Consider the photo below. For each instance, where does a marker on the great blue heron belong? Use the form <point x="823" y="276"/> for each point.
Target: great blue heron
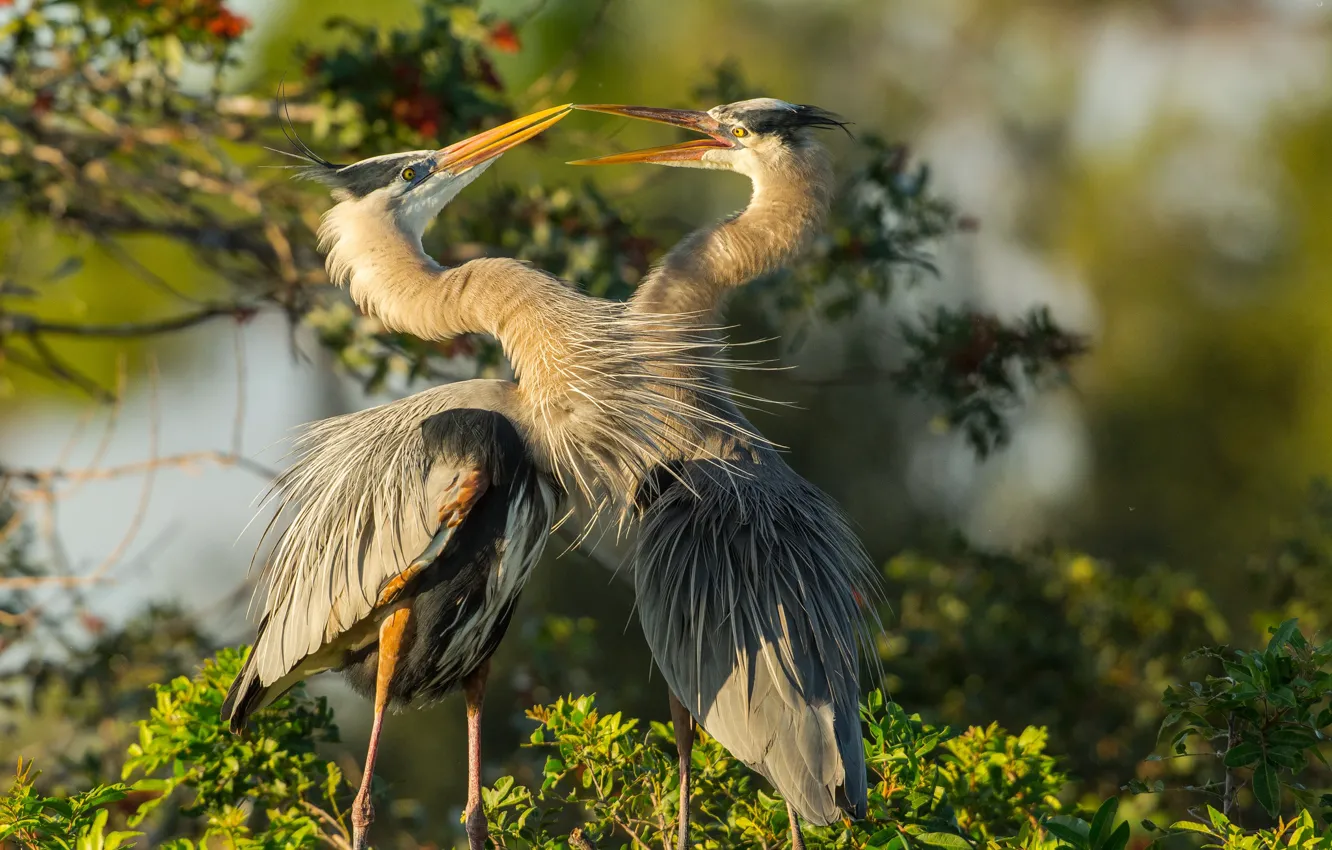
<point x="414" y="525"/>
<point x="747" y="575"/>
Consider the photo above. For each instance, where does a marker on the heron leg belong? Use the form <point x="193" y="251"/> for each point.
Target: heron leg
<point x="797" y="837"/>
<point x="391" y="633"/>
<point x="474" y="686"/>
<point x="684" y="745"/>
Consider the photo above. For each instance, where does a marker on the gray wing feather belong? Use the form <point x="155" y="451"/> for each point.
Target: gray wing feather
<point x="361" y="496"/>
<point x="745" y="589"/>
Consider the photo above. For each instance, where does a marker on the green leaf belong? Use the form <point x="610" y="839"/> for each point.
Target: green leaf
<point x="1072" y="831"/>
<point x="1119" y="838"/>
<point x="1282" y="634"/>
<point x="1286" y="757"/>
<point x="1191" y="826"/>
<point x="1103" y="823"/>
<point x="1298" y="737"/>
<point x="1244" y="754"/>
<point x="59" y="806"/>
<point x="944" y="839"/>
<point x="1267" y="788"/>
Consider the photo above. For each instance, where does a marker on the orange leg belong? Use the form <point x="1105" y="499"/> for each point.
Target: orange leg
<point x="684" y="745"/>
<point x="475" y="689"/>
<point x="797" y="837"/>
<point x="391" y="636"/>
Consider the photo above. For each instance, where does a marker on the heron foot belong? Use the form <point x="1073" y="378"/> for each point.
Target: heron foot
<point x="478" y="830"/>
<point x="362" y="815"/>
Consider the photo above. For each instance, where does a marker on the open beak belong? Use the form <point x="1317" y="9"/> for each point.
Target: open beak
<point x="699" y="122"/>
<point x="462" y="156"/>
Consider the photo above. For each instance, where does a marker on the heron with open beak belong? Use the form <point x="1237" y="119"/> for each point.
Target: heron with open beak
<point x="748" y="577"/>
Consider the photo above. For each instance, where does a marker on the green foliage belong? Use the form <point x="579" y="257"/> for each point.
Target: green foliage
<point x="926" y="787"/>
<point x="264" y="789"/>
<point x="999" y="783"/>
<point x="980" y="369"/>
<point x="1264" y="717"/>
<point x="1299" y="832"/>
<point x="412" y="87"/>
<point x="272" y="766"/>
<point x="615" y="780"/>
<point x="885" y="225"/>
<point x="76" y="822"/>
<point x="1102" y="833"/>
<point x="883" y="231"/>
<point x="1079" y="645"/>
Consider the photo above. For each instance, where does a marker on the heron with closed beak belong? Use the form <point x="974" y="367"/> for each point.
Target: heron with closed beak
<point x="413" y="526"/>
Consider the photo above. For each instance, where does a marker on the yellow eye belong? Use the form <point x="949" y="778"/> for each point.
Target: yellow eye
<point x="740" y="132"/>
<point x="409" y="174"/>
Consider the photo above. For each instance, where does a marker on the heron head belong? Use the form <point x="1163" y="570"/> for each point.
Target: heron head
<point x="749" y="136"/>
<point x="411" y="188"/>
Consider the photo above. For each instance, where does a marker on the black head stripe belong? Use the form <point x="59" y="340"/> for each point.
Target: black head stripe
<point x="786" y="121"/>
<point x="362" y="178"/>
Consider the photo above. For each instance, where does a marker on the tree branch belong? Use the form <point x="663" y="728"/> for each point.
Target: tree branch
<point x="33" y="327"/>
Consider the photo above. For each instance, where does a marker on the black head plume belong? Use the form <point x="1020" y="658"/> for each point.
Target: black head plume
<point x="820" y="118"/>
<point x="777" y="117"/>
<point x="314" y="166"/>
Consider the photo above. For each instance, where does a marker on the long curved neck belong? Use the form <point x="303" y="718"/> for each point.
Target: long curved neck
<point x="590" y="396"/>
<point x="789" y="205"/>
<point x="535" y="317"/>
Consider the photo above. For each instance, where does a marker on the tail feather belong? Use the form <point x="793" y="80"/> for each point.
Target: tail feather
<point x="244" y="697"/>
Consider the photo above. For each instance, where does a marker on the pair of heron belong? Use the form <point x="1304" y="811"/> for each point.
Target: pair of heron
<point x="414" y="525"/>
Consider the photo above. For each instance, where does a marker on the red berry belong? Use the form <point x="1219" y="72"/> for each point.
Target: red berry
<point x="504" y="39"/>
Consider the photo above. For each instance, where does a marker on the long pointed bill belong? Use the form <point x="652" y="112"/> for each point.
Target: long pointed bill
<point x="469" y="153"/>
<point x="699" y="122"/>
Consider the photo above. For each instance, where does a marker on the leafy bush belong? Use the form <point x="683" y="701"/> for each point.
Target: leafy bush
<point x="611" y="781"/>
<point x="77" y="822"/>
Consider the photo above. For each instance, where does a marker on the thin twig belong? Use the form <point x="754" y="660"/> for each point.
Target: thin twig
<point x="238" y="423"/>
<point x="340" y="839"/>
<point x="1228" y="792"/>
<point x="185" y="461"/>
<point x="61" y="370"/>
<point x="33" y="327"/>
<point x="122" y="381"/>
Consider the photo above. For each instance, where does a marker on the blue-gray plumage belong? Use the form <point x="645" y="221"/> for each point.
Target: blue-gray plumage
<point x="494" y="510"/>
<point x="749" y="578"/>
<point x="478" y="524"/>
<point x="414" y="525"/>
<point x="744" y="596"/>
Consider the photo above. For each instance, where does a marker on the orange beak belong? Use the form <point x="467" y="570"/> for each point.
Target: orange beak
<point x="469" y="153"/>
<point x="699" y="122"/>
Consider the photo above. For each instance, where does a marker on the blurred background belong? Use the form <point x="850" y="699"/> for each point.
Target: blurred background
<point x="1064" y="358"/>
